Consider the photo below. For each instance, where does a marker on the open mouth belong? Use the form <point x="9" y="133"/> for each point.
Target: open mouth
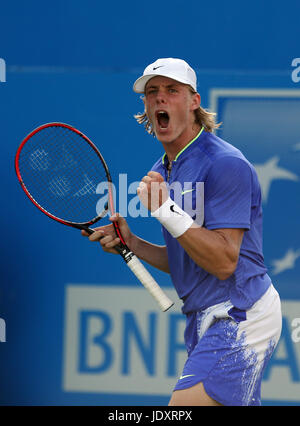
<point x="162" y="119"/>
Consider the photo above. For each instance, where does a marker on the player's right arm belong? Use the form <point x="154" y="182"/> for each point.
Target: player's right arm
<point x="153" y="254"/>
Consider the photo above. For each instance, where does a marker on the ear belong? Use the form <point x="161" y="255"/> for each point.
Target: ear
<point x="196" y="101"/>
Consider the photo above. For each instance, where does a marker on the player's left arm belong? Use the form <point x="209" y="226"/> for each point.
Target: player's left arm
<point x="216" y="251"/>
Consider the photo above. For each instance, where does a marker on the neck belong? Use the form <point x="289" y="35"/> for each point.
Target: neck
<point x="173" y="149"/>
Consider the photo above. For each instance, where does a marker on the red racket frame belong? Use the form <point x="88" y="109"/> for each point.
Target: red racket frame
<point x="84" y="225"/>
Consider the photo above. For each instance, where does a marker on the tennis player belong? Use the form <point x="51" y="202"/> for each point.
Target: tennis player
<point x="213" y="252"/>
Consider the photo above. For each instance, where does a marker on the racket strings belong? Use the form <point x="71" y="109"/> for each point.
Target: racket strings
<point x="61" y="171"/>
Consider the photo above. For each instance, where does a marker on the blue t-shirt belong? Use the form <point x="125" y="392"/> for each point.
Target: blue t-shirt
<point x="213" y="182"/>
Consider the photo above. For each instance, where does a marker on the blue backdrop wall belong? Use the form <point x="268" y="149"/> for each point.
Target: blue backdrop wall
<point x="75" y="62"/>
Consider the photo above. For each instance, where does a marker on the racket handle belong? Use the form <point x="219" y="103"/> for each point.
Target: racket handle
<point x="149" y="283"/>
<point x="142" y="274"/>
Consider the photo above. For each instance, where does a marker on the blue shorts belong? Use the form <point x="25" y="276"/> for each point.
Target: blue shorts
<point x="228" y="349"/>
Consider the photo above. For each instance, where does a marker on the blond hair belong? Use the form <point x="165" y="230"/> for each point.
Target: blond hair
<point x="203" y="118"/>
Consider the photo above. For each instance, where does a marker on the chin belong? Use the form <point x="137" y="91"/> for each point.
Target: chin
<point x="164" y="136"/>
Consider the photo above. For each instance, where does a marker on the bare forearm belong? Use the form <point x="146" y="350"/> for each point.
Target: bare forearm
<point x="153" y="254"/>
<point x="215" y="251"/>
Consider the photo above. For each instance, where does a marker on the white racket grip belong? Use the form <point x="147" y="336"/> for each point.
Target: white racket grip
<point x="149" y="283"/>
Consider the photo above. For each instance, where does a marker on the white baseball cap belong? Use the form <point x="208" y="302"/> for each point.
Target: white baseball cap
<point x="177" y="69"/>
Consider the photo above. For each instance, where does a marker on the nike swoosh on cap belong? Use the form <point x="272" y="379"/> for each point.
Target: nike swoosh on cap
<point x="155" y="68"/>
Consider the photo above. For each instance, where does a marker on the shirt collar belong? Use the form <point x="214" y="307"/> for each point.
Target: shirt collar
<point x="183" y="149"/>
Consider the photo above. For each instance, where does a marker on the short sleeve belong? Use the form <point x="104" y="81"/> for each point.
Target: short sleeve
<point x="227" y="194"/>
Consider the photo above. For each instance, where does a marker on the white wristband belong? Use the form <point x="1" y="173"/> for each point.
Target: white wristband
<point x="173" y="218"/>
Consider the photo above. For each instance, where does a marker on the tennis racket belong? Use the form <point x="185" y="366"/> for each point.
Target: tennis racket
<point x="59" y="169"/>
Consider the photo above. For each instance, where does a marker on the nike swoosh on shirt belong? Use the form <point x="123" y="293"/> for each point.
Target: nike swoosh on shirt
<point x="187" y="375"/>
<point x="188" y="190"/>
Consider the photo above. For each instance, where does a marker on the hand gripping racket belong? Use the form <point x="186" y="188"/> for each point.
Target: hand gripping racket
<point x="59" y="169"/>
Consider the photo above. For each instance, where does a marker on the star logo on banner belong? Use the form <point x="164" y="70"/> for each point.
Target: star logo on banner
<point x="287" y="262"/>
<point x="270" y="171"/>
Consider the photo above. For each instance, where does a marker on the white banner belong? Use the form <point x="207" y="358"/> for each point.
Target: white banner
<point x="118" y="341"/>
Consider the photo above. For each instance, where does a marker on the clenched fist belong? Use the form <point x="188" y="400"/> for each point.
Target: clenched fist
<point x="153" y="191"/>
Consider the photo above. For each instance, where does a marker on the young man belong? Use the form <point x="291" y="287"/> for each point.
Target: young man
<point x="213" y="235"/>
